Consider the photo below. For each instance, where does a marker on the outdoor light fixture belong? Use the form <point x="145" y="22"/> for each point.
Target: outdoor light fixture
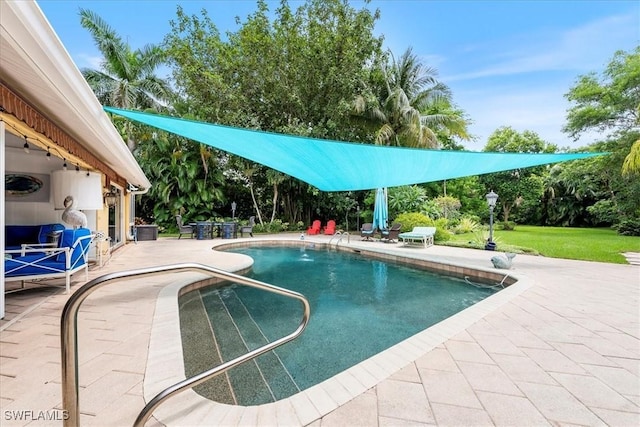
<point x="110" y="199"/>
<point x="492" y="198"/>
<point x="48" y="154"/>
<point x="85" y="190"/>
<point x="77" y="167"/>
<point x="64" y="165"/>
<point x="26" y="145"/>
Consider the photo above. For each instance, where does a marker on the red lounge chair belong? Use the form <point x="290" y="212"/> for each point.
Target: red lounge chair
<point x="330" y="228"/>
<point x="315" y="227"/>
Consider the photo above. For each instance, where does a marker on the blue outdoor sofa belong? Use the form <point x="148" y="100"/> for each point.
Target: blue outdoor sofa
<point x="50" y="260"/>
<point x="17" y="235"/>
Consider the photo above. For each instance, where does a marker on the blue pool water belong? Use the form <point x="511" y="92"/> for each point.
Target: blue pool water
<point x="359" y="307"/>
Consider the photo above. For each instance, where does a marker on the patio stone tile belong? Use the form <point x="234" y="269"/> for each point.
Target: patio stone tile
<point x="448" y="415"/>
<point x="449" y="387"/>
<point x="553" y="361"/>
<point x="45" y="397"/>
<point x="394" y="422"/>
<point x="618" y="418"/>
<point x="438" y="358"/>
<point x="122" y="411"/>
<point x="488" y="378"/>
<point x="337" y="391"/>
<point x="592" y="324"/>
<point x="580" y="353"/>
<point x="407" y="401"/>
<point x="522" y="369"/>
<point x="522" y="316"/>
<point x="593" y="392"/>
<point x="502" y="323"/>
<point x="409" y="373"/>
<point x="483" y="327"/>
<point x="304" y="408"/>
<point x="285" y="414"/>
<point x="249" y="416"/>
<point x="494" y="344"/>
<point x="321" y="399"/>
<point x="631" y="365"/>
<point x="233" y="416"/>
<point x="463" y="336"/>
<point x="624" y="340"/>
<point x="104" y="391"/>
<point x="618" y="379"/>
<point x="525" y="339"/>
<point x="468" y="352"/>
<point x="558" y="405"/>
<point x="511" y="410"/>
<point x="360" y="412"/>
<point x="607" y="348"/>
<point x="103" y="365"/>
<point x="350" y="383"/>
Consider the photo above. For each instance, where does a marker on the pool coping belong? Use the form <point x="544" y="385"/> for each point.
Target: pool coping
<point x="165" y="365"/>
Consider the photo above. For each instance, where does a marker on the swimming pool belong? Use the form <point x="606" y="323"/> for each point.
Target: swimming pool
<point x="359" y="307"/>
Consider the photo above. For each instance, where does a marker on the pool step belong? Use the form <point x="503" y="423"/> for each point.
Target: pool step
<point x="246" y="379"/>
<point x="196" y="329"/>
<point x="274" y="372"/>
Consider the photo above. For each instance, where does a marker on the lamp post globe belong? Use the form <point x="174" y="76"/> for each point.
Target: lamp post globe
<point x="492" y="198"/>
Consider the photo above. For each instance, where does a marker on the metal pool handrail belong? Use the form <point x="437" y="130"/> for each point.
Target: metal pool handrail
<point x="69" y="336"/>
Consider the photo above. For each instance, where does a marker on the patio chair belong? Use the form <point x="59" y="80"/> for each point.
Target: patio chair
<point x="330" y="228"/>
<point x="422" y="235"/>
<point x="248" y="228"/>
<point x="184" y="229"/>
<point x="391" y="235"/>
<point x="315" y="227"/>
<point x="366" y="231"/>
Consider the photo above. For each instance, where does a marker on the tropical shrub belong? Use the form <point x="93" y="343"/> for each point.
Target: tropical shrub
<point x="442" y="230"/>
<point x="481" y="237"/>
<point x="431" y="209"/>
<point x="466" y="225"/>
<point x="413" y="219"/>
<point x="505" y="225"/>
<point x="449" y="207"/>
<point x="407" y="198"/>
<point x="629" y="227"/>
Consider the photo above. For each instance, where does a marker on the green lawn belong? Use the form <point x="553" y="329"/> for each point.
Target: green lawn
<point x="589" y="244"/>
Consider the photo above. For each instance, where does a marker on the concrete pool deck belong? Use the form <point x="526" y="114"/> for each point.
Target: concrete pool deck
<point x="562" y="349"/>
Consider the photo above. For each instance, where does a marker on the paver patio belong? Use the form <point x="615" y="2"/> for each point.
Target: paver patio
<point x="563" y="351"/>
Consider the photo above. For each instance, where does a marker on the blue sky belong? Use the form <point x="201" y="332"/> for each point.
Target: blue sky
<point x="508" y="62"/>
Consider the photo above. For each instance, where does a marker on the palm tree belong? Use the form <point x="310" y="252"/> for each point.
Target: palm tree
<point x="413" y="106"/>
<point x="126" y="78"/>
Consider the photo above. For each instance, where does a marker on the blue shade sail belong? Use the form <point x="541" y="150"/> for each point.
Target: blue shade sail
<point x="343" y="166"/>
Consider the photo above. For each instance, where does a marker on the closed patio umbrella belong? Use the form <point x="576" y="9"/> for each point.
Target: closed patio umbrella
<point x="380" y="210"/>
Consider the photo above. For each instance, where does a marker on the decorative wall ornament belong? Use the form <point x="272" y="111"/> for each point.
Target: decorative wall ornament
<point x="27" y="187"/>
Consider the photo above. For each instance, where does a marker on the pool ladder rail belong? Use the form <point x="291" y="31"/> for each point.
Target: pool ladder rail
<point x="340" y="235"/>
<point x="69" y="335"/>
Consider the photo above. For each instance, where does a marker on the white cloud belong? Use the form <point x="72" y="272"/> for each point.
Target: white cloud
<point x="84" y="60"/>
<point x="581" y="49"/>
<point x="537" y="109"/>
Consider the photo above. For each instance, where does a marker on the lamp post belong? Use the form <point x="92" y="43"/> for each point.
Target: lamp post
<point x="492" y="198"/>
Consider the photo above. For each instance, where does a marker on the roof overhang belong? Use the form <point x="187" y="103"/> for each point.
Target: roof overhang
<point x="35" y="66"/>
